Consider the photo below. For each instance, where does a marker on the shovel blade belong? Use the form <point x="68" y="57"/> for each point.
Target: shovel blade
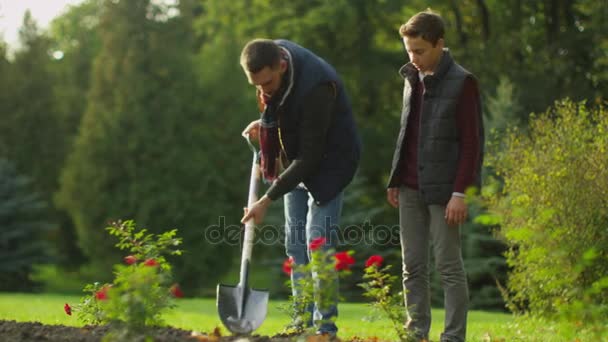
<point x="241" y="309"/>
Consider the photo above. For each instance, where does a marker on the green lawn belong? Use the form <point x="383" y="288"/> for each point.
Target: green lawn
<point x="200" y="315"/>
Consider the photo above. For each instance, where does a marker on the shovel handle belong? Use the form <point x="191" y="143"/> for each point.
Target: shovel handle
<point x="254" y="181"/>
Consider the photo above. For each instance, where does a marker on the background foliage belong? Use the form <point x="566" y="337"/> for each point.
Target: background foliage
<point x="133" y="110"/>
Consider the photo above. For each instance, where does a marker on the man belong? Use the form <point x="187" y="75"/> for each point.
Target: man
<point x="309" y="150"/>
<point x="438" y="156"/>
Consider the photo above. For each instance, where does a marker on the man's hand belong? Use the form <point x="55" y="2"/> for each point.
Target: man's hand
<point x="257" y="211"/>
<point x="392" y="196"/>
<point x="456" y="211"/>
<point x="253" y="129"/>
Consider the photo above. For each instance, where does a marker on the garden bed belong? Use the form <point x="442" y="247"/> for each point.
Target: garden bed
<point x="33" y="331"/>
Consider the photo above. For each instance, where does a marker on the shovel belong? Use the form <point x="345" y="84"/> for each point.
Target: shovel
<point x="242" y="309"/>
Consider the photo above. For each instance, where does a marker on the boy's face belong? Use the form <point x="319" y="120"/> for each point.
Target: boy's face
<point x="423" y="54"/>
<point x="268" y="80"/>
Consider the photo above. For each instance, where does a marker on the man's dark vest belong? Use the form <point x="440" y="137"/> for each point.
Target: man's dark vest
<point x="438" y="141"/>
<point x="343" y="146"/>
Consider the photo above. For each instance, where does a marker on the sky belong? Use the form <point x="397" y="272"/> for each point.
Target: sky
<point x="43" y="11"/>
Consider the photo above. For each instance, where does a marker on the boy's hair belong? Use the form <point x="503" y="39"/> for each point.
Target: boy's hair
<point x="428" y="25"/>
<point x="260" y="53"/>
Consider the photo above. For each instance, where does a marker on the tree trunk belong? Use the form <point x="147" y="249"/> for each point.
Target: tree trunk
<point x="551" y="11"/>
<point x="461" y="34"/>
<point x="569" y="14"/>
<point x="485" y="20"/>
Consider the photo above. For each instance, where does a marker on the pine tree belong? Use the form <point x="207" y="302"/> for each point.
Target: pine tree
<point x="22" y="230"/>
<point x="34" y="132"/>
<point x="6" y="97"/>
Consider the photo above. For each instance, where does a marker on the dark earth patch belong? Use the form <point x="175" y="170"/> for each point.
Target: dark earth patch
<point x="33" y="331"/>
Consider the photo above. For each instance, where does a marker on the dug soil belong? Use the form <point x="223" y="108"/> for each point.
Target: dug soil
<point x="12" y="331"/>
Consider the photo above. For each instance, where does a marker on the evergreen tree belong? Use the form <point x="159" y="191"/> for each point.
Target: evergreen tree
<point x="22" y="230"/>
<point x="141" y="149"/>
<point x="75" y="43"/>
<point x="34" y="132"/>
<point x="31" y="124"/>
<point x="6" y="98"/>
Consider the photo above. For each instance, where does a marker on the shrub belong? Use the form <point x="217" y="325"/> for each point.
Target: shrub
<point x="551" y="201"/>
<point x="142" y="288"/>
<point x="378" y="286"/>
<point x="328" y="265"/>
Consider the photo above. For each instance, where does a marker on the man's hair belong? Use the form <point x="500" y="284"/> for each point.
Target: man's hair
<point x="428" y="25"/>
<point x="260" y="53"/>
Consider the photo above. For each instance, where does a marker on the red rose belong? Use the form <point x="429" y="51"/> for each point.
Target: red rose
<point x="317" y="243"/>
<point x="343" y="261"/>
<point x="176" y="291"/>
<point x="288" y="265"/>
<point x="374" y="260"/>
<point x="102" y="294"/>
<point x="151" y="262"/>
<point x="68" y="309"/>
<point x="130" y="260"/>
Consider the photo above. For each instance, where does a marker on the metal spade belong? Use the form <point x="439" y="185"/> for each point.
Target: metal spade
<point x="242" y="309"/>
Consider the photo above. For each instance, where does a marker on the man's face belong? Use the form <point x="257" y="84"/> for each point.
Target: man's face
<point x="423" y="54"/>
<point x="268" y="80"/>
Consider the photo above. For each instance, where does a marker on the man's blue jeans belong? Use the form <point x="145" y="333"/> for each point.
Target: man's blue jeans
<point x="305" y="220"/>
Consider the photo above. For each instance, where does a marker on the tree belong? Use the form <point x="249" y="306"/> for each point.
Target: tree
<point x="32" y="130"/>
<point x="35" y="130"/>
<point x="140" y="153"/>
<point x="74" y="45"/>
<point x="32" y="122"/>
<point x="22" y="230"/>
<point x="6" y="92"/>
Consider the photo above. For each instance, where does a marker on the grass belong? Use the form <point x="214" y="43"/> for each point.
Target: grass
<point x="201" y="315"/>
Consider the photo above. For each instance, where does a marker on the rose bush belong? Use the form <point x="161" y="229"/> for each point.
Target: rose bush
<point x="385" y="303"/>
<point x="327" y="264"/>
<point x="141" y="290"/>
